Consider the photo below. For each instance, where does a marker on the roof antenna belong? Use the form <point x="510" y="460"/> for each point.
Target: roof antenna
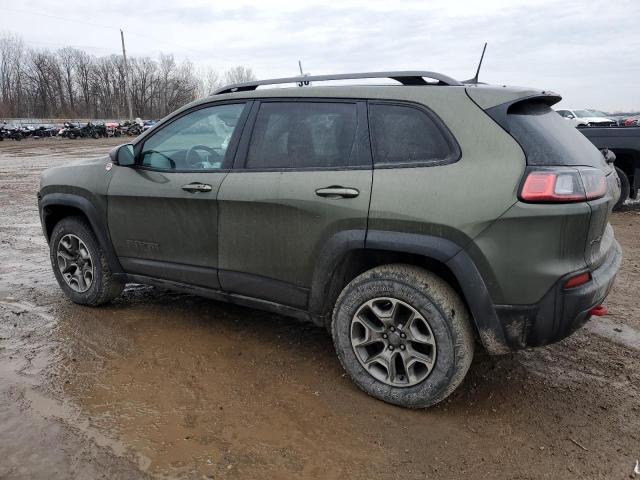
<point x="474" y="80"/>
<point x="302" y="74"/>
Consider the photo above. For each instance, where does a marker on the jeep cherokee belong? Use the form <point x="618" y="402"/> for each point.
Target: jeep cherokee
<point x="411" y="220"/>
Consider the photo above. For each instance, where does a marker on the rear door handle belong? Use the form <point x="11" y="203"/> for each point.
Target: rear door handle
<point x="196" y="187"/>
<point x="337" y="191"/>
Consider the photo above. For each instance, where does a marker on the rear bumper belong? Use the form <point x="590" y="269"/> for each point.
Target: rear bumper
<point x="560" y="312"/>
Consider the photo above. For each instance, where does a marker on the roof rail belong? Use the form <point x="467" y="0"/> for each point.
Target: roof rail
<point x="404" y="77"/>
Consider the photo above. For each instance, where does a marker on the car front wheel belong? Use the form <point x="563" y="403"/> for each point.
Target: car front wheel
<point x="79" y="264"/>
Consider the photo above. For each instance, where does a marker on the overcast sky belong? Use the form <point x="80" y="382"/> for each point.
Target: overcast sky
<point x="588" y="51"/>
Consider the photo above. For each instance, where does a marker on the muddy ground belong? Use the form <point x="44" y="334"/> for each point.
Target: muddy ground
<point x="165" y="385"/>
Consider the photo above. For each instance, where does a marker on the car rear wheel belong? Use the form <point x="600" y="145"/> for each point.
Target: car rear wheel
<point x="79" y="264"/>
<point x="403" y="335"/>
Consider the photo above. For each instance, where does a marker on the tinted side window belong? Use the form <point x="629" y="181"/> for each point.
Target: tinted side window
<point x="303" y="135"/>
<point x="196" y="141"/>
<point x="404" y="134"/>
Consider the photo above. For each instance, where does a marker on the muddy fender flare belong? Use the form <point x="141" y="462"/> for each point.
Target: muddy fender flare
<point x="473" y="286"/>
<point x="51" y="200"/>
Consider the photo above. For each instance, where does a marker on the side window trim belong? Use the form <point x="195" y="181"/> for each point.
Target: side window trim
<point x="361" y="144"/>
<point x="231" y="149"/>
<point x="456" y="151"/>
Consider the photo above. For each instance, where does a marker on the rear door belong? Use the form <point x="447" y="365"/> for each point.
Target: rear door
<point x="302" y="174"/>
<point x="162" y="211"/>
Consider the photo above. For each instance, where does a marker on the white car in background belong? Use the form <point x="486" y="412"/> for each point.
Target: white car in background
<point x="587" y="118"/>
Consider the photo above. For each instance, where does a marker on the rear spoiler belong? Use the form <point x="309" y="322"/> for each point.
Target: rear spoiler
<point x="511" y="98"/>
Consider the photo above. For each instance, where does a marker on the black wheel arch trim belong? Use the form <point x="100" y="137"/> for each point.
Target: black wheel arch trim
<point x="452" y="255"/>
<point x="96" y="222"/>
<point x="328" y="261"/>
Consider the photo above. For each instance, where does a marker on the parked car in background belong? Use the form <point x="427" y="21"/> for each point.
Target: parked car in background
<point x="587" y="118"/>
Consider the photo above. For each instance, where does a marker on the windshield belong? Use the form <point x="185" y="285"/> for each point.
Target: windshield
<point x="596" y="113"/>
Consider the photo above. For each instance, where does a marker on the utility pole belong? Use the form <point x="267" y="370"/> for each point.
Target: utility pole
<point x="126" y="77"/>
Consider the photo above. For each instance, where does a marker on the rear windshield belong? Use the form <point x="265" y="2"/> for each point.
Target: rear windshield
<point x="548" y="139"/>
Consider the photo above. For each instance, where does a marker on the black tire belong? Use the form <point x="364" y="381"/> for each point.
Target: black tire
<point x="432" y="298"/>
<point x="104" y="286"/>
<point x="625" y="189"/>
<point x="71" y="136"/>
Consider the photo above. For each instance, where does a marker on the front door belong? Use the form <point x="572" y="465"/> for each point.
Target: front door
<point x="302" y="175"/>
<point x="162" y="211"/>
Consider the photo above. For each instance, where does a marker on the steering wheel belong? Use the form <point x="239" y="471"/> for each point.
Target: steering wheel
<point x="172" y="164"/>
<point x="194" y="160"/>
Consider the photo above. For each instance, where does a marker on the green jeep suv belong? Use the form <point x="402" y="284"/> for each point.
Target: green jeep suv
<point x="411" y="220"/>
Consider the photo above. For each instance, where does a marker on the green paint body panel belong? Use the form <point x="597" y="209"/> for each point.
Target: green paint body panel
<point x="487" y="96"/>
<point x="274" y="225"/>
<point x="152" y="218"/>
<point x="527" y="249"/>
<point x="423" y="199"/>
<point x="87" y="179"/>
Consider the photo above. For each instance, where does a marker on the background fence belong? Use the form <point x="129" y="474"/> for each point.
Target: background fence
<point x="57" y="121"/>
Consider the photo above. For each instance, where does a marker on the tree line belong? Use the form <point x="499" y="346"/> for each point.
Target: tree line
<point x="70" y="83"/>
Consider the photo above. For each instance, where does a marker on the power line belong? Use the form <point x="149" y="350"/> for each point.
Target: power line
<point x="109" y="49"/>
<point x="202" y="52"/>
<point x="75" y="20"/>
<point x="59" y="18"/>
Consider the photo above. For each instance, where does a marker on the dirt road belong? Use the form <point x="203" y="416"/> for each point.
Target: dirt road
<point x="164" y="385"/>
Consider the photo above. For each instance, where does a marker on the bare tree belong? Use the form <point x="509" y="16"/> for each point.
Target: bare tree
<point x="71" y="83"/>
<point x="210" y="81"/>
<point x="12" y="52"/>
<point x="239" y="74"/>
<point x="67" y="58"/>
<point x="84" y="67"/>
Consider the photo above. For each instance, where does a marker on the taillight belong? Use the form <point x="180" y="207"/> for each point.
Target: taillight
<point x="577" y="280"/>
<point x="562" y="184"/>
<point x="594" y="181"/>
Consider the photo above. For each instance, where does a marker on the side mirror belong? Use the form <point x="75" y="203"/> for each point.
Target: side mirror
<point x="571" y="116"/>
<point x="123" y="155"/>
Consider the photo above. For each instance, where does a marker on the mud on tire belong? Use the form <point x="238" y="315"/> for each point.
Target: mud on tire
<point x="431" y="298"/>
<point x="625" y="189"/>
<point x="103" y="287"/>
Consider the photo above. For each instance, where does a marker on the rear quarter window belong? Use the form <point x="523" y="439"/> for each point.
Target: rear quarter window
<point x="408" y="135"/>
<point x="548" y="139"/>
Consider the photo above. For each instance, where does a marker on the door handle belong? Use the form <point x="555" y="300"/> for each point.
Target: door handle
<point x="337" y="191"/>
<point x="196" y="187"/>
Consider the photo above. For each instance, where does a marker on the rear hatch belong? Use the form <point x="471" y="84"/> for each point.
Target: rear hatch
<point x="548" y="140"/>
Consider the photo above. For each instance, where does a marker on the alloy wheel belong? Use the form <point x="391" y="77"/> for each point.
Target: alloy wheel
<point x="393" y="342"/>
<point x="75" y="263"/>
